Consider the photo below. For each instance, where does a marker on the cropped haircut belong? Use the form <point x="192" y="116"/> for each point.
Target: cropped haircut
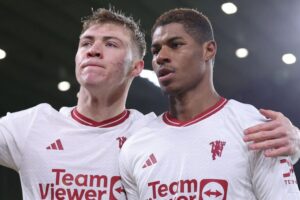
<point x="195" y="23"/>
<point x="111" y="16"/>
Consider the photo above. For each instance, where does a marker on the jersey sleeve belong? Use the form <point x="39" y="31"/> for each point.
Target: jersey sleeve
<point x="296" y="156"/>
<point x="14" y="128"/>
<point x="272" y="178"/>
<point x="126" y="172"/>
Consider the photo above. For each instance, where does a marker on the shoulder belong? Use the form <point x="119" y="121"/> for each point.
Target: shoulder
<point x="138" y="115"/>
<point x="66" y="111"/>
<point x="22" y="121"/>
<point x="237" y="106"/>
<point x="143" y="133"/>
<point x="139" y="120"/>
<point x="243" y="109"/>
<point x="40" y="108"/>
<point x="245" y="114"/>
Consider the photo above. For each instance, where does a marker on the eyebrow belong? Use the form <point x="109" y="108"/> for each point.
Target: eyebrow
<point x="156" y="44"/>
<point x="104" y="38"/>
<point x="86" y="37"/>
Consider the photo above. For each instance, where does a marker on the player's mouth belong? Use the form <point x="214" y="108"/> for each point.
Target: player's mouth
<point x="165" y="74"/>
<point x="91" y="64"/>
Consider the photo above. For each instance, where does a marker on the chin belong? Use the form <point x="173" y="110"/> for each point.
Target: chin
<point x="169" y="90"/>
<point x="92" y="80"/>
<point x="174" y="90"/>
<point x="91" y="83"/>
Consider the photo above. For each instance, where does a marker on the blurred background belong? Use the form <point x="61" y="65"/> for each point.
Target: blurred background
<point x="257" y="61"/>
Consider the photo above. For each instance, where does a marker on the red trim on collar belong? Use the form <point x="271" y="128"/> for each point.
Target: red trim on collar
<point x="210" y="111"/>
<point x="102" y="124"/>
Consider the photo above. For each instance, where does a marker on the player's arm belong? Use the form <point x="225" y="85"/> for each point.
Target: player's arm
<point x="278" y="136"/>
<point x="273" y="178"/>
<point x="6" y="153"/>
<point x="270" y="177"/>
<point x="126" y="172"/>
<point x="14" y="129"/>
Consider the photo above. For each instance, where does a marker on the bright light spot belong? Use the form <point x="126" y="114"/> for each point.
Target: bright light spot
<point x="241" y="53"/>
<point x="2" y="54"/>
<point x="150" y="75"/>
<point x="289" y="58"/>
<point x="64" y="86"/>
<point x="229" y="8"/>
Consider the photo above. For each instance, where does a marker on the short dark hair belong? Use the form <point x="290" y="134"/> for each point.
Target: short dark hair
<point x="103" y="16"/>
<point x="195" y="23"/>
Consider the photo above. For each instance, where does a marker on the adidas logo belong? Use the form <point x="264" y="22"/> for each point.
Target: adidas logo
<point x="57" y="145"/>
<point x="150" y="161"/>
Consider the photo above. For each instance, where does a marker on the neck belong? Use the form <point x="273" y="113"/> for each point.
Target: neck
<point x="185" y="106"/>
<point x="100" y="106"/>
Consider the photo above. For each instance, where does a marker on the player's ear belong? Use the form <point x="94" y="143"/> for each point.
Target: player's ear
<point x="138" y="66"/>
<point x="210" y="50"/>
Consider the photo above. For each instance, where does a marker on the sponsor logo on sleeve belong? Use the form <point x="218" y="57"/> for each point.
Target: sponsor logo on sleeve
<point x="289" y="173"/>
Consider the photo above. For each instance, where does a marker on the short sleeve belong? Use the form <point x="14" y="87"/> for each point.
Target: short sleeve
<point x="14" y="129"/>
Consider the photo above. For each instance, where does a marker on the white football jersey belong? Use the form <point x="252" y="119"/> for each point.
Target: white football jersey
<point x="65" y="155"/>
<point x="204" y="159"/>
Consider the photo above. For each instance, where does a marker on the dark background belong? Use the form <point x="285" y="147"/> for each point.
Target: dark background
<point x="41" y="36"/>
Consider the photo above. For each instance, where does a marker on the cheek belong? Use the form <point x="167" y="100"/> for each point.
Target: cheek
<point x="76" y="62"/>
<point x="154" y="65"/>
<point x="121" y="64"/>
<point x="77" y="59"/>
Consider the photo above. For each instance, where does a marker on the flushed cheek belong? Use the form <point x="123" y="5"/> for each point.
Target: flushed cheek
<point x="121" y="65"/>
<point x="119" y="70"/>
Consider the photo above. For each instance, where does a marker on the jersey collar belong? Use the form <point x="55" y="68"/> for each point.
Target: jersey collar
<point x="102" y="124"/>
<point x="210" y="111"/>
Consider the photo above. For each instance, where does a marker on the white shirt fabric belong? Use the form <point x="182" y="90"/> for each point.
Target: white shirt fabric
<point x="64" y="155"/>
<point x="204" y="158"/>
